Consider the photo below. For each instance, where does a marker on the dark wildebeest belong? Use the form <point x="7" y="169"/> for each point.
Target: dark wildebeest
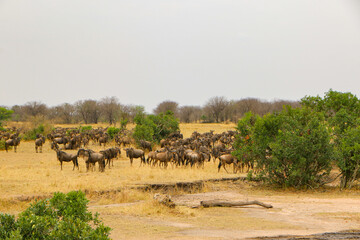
<point x="228" y="159"/>
<point x="67" y="157"/>
<point x="110" y="154"/>
<point x="135" y="153"/>
<point x="12" y="142"/>
<point x="92" y="158"/>
<point x="39" y="143"/>
<point x="145" y="145"/>
<point x="103" y="139"/>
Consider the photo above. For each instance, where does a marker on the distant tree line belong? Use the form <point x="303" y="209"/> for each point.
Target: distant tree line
<point x="109" y="109"/>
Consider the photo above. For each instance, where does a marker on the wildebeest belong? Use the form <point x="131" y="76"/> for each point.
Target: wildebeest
<point x="135" y="153"/>
<point x="12" y="142"/>
<point x="67" y="157"/>
<point x="228" y="159"/>
<point x="103" y="139"/>
<point x="92" y="158"/>
<point x="145" y="145"/>
<point x="39" y="143"/>
<point x="110" y="154"/>
<point x="163" y="158"/>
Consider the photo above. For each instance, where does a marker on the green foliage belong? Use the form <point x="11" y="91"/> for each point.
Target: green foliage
<point x="85" y="128"/>
<point x="113" y="131"/>
<point x="332" y="103"/>
<point x="349" y="157"/>
<point x="31" y="134"/>
<point x="155" y="127"/>
<point x="290" y="149"/>
<point x="65" y="216"/>
<point x="123" y="123"/>
<point x="144" y="129"/>
<point x="7" y="224"/>
<point x="342" y="111"/>
<point x="5" y="114"/>
<point x="2" y="144"/>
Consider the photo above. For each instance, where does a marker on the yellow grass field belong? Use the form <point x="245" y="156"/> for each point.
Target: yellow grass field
<point x="27" y="173"/>
<point x="133" y="214"/>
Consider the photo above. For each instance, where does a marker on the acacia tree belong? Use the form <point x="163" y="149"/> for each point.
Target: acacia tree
<point x="110" y="108"/>
<point x="34" y="109"/>
<point x="89" y="110"/>
<point x="165" y="106"/>
<point x="189" y="114"/>
<point x="215" y="107"/>
<point x="66" y="112"/>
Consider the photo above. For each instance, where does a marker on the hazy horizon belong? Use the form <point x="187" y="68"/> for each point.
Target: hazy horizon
<point x="146" y="52"/>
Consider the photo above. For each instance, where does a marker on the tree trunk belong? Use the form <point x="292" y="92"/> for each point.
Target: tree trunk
<point x="217" y="203"/>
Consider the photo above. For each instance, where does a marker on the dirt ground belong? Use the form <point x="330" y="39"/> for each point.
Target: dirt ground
<point x="293" y="214"/>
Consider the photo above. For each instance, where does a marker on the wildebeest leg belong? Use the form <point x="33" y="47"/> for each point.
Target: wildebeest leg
<point x="108" y="162"/>
<point x="219" y="166"/>
<point x="61" y="165"/>
<point x="40" y="149"/>
<point x="225" y="167"/>
<point x="131" y="161"/>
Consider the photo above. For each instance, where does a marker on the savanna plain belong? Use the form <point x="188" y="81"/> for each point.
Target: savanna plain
<point x="132" y="213"/>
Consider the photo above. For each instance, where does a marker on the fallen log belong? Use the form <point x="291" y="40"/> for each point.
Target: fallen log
<point x="217" y="203"/>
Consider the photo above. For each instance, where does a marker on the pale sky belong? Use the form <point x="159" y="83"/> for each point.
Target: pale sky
<point x="148" y="51"/>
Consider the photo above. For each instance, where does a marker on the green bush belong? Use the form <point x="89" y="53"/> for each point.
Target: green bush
<point x="43" y="129"/>
<point x="290" y="149"/>
<point x="155" y="127"/>
<point x="31" y="134"/>
<point x="5" y="114"/>
<point x="65" y="216"/>
<point x="2" y="144"/>
<point x="123" y="123"/>
<point x="113" y="131"/>
<point x="85" y="129"/>
<point x="349" y="157"/>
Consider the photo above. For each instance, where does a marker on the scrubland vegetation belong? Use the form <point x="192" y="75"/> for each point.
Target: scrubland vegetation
<point x="311" y="151"/>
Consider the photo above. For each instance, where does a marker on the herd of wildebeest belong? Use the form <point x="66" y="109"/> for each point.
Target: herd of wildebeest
<point x="176" y="150"/>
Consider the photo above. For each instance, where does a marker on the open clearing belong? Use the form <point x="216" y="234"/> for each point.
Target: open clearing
<point x="133" y="214"/>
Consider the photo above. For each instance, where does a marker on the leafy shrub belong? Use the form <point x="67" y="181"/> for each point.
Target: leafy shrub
<point x="113" y="131"/>
<point x="2" y="144"/>
<point x="349" y="157"/>
<point x="155" y="127"/>
<point x="5" y="114"/>
<point x="123" y="123"/>
<point x="290" y="149"/>
<point x="65" y="216"/>
<point x="85" y="128"/>
<point x="31" y="134"/>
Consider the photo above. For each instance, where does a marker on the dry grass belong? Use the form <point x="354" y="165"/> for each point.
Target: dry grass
<point x="38" y="174"/>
